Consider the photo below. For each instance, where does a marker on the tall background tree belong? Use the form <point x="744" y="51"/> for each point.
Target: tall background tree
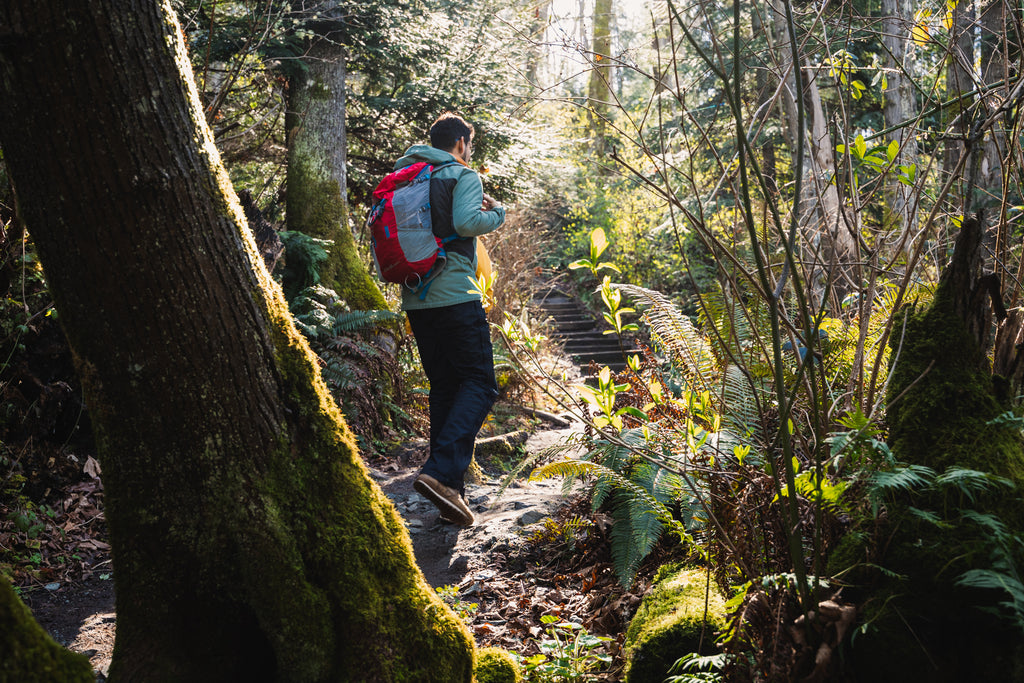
<point x="249" y="542"/>
<point x="315" y="130"/>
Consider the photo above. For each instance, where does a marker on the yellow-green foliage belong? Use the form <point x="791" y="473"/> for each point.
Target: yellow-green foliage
<point x="494" y="665"/>
<point x="670" y="623"/>
<point x="27" y="654"/>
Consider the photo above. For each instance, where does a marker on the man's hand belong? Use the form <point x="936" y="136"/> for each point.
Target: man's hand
<point x="489" y="202"/>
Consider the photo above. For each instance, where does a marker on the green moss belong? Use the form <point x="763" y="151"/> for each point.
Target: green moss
<point x="941" y="397"/>
<point x="670" y="623"/>
<point x="915" y="622"/>
<point x="494" y="665"/>
<point x="316" y="208"/>
<point x="28" y="654"/>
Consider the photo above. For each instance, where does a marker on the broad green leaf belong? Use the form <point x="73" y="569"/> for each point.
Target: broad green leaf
<point x="860" y="146"/>
<point x="892" y="150"/>
<point x="598" y="243"/>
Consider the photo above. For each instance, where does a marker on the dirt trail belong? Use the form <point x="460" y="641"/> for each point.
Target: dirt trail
<point x="448" y="554"/>
<point x="81" y="616"/>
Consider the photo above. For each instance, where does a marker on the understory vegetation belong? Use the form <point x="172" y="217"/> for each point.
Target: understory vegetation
<point x="774" y="201"/>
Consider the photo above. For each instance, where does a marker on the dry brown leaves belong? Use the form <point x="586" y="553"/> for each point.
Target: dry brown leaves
<point x="47" y="545"/>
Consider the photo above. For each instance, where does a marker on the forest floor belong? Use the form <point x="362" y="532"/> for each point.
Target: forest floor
<point x="533" y="551"/>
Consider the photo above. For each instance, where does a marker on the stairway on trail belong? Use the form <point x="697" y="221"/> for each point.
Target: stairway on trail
<point x="579" y="332"/>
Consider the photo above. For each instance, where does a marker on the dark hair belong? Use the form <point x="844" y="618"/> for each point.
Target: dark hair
<point x="447" y="130"/>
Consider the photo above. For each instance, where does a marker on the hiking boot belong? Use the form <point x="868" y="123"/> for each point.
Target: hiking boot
<point x="453" y="509"/>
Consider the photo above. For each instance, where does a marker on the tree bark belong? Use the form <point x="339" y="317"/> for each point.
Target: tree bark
<point x="830" y="231"/>
<point x="599" y="93"/>
<point x="900" y="109"/>
<point x="249" y="542"/>
<point x="316" y="204"/>
<point x="959" y="84"/>
<point x="538" y="48"/>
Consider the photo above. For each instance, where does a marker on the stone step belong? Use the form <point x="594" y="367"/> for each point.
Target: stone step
<point x="560" y="305"/>
<point x="597" y="349"/>
<point x="606" y="357"/>
<point x="575" y="325"/>
<point x="595" y="342"/>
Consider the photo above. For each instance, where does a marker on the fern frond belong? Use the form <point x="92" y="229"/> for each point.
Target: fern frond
<point x="643" y="511"/>
<point x="903" y="479"/>
<point x="995" y="529"/>
<point x="556" y="451"/>
<point x="989" y="579"/>
<point x="742" y="399"/>
<point x="970" y="483"/>
<point x="930" y="517"/>
<point x="686" y="346"/>
<point x="356" y="321"/>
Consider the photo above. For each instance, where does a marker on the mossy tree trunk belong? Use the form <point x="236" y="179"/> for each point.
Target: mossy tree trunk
<point x="249" y="543"/>
<point x="27" y="654"/>
<point x="927" y="624"/>
<point x="316" y="171"/>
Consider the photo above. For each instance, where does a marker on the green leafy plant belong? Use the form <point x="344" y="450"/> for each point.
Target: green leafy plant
<point x="450" y="595"/>
<point x="695" y="668"/>
<point x="567" y="653"/>
<point x="598" y="244"/>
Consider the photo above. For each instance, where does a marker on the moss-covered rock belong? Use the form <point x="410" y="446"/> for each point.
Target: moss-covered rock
<point x="494" y="665"/>
<point x="672" y="622"/>
<point x="28" y="654"/>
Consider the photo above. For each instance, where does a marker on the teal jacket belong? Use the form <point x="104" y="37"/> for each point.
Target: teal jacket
<point x="454" y="284"/>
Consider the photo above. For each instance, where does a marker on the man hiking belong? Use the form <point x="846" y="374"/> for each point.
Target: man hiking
<point x="447" y="317"/>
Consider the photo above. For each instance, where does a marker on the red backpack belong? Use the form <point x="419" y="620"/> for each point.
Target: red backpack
<point x="405" y="248"/>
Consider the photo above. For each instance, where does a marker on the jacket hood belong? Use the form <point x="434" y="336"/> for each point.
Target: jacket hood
<point x="423" y="153"/>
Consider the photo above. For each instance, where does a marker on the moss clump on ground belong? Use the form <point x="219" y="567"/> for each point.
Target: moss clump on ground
<point x="671" y="622"/>
<point x="494" y="665"/>
<point x="28" y="654"/>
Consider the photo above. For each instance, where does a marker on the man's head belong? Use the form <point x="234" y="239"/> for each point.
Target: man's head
<point x="452" y="134"/>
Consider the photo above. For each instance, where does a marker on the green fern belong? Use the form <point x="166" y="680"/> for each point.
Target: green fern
<point x="695" y="668"/>
<point x="351" y="322"/>
<point x="640" y="515"/>
<point x="970" y="483"/>
<point x="743" y="401"/>
<point x="1003" y="575"/>
<point x="672" y="331"/>
<point x="304" y="256"/>
<point x="904" y="479"/>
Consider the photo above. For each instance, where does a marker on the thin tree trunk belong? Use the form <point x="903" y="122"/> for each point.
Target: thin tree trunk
<point x="829" y="232"/>
<point x="900" y="109"/>
<point x="316" y="204"/>
<point x="959" y="83"/>
<point x="599" y="92"/>
<point x="249" y="542"/>
<point x="538" y="49"/>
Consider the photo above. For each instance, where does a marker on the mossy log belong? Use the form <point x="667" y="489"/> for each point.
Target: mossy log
<point x="249" y="543"/>
<point x="672" y="621"/>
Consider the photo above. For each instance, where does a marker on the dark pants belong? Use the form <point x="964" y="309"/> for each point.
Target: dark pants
<point x="455" y="347"/>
